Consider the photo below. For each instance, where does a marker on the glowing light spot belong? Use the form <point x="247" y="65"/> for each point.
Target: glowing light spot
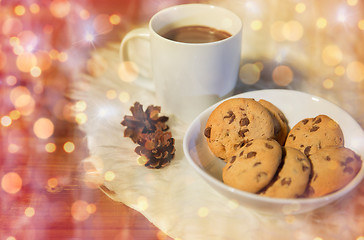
<point x="43" y="128"/>
<point x="26" y="61"/>
<point x="52" y="182"/>
<point x="341" y="15"/>
<point x="60" y="8"/>
<point x="321" y="23"/>
<point x="69" y="147"/>
<point x="360" y="238"/>
<point x="282" y="75"/>
<point x="115" y="19"/>
<point x="203" y="212"/>
<point x="50" y="147"/>
<point x="35" y="71"/>
<point x="361" y="24"/>
<point x="62" y="57"/>
<point x="11" y="183"/>
<point x="331" y="55"/>
<point x="10" y="238"/>
<point x="84" y="14"/>
<point x="352" y="2"/>
<point x="19" y="10"/>
<point x="256" y="25"/>
<point x="142" y="203"/>
<point x="128" y="71"/>
<point x="81" y="118"/>
<point x="44" y="61"/>
<point x="6" y="121"/>
<point x="249" y="73"/>
<point x="111" y="94"/>
<point x="142" y="160"/>
<point x="276" y="31"/>
<point x="292" y="31"/>
<point x="300" y="7"/>
<point x="317" y="238"/>
<point x="22" y="100"/>
<point x="109" y="176"/>
<point x="53" y="54"/>
<point x="161" y="235"/>
<point x="328" y="83"/>
<point x="14" y="115"/>
<point x="13" y="148"/>
<point x="124" y="97"/>
<point x="29" y="212"/>
<point x="91" y="208"/>
<point x="80" y="106"/>
<point x="355" y="71"/>
<point x="339" y="70"/>
<point x="102" y="24"/>
<point x="34" y="8"/>
<point x="79" y="210"/>
<point x="14" y="41"/>
<point x="11" y="80"/>
<point x="89" y="37"/>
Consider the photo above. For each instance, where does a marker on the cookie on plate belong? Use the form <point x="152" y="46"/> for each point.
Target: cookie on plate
<point x="292" y="178"/>
<point x="312" y="134"/>
<point x="253" y="166"/>
<point x="280" y="121"/>
<point x="332" y="168"/>
<point x="235" y="122"/>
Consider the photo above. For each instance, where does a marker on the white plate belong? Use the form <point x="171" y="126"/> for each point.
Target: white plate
<point x="296" y="106"/>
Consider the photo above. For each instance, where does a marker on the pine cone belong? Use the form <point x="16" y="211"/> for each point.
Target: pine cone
<point x="143" y="122"/>
<point x="157" y="148"/>
<point x="149" y="130"/>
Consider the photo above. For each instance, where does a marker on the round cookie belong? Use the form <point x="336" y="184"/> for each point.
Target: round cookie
<point x="253" y="166"/>
<point x="280" y="121"/>
<point x="235" y="122"/>
<point x="312" y="134"/>
<point x="293" y="178"/>
<point x="333" y="168"/>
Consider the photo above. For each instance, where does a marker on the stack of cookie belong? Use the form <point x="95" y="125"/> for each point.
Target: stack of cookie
<point x="264" y="156"/>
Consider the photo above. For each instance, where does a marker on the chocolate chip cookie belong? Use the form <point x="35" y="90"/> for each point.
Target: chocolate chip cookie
<point x="333" y="168"/>
<point x="312" y="134"/>
<point x="280" y="121"/>
<point x="292" y="178"/>
<point x="235" y="122"/>
<point x="253" y="165"/>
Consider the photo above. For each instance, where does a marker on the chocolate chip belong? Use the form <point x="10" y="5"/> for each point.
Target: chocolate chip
<point x="314" y="129"/>
<point x="231" y="116"/>
<point x="268" y="146"/>
<point x="307" y="150"/>
<point x="207" y="132"/>
<point x="257" y="163"/>
<point x="248" y="144"/>
<point x="316" y="121"/>
<point x="239" y="145"/>
<point x="349" y="170"/>
<point x="260" y="175"/>
<point x="233" y="158"/>
<point x="251" y="154"/>
<point x="244" y="122"/>
<point x="286" y="181"/>
<point x="241" y="153"/>
<point x="242" y="132"/>
<point x="304" y="168"/>
<point x="305" y="121"/>
<point x="349" y="160"/>
<point x="292" y="136"/>
<point x="328" y="158"/>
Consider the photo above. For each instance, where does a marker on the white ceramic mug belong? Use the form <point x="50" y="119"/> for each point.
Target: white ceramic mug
<point x="189" y="77"/>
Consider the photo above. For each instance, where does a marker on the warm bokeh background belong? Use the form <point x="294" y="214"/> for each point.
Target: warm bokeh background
<point x="308" y="45"/>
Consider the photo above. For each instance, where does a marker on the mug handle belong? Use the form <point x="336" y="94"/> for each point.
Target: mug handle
<point x="144" y="79"/>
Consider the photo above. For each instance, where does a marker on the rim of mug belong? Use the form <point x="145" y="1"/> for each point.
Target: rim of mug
<point x="167" y="9"/>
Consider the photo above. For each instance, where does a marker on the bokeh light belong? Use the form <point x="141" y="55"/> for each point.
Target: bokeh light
<point x="282" y="75"/>
<point x="5" y="121"/>
<point x="60" y="8"/>
<point x="355" y="71"/>
<point x="69" y="147"/>
<point x="331" y="55"/>
<point x="50" y="147"/>
<point x="29" y="212"/>
<point x="249" y="73"/>
<point x="11" y="182"/>
<point x="79" y="210"/>
<point x="43" y="128"/>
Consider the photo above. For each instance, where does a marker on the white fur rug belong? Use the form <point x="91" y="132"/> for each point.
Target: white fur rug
<point x="175" y="198"/>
